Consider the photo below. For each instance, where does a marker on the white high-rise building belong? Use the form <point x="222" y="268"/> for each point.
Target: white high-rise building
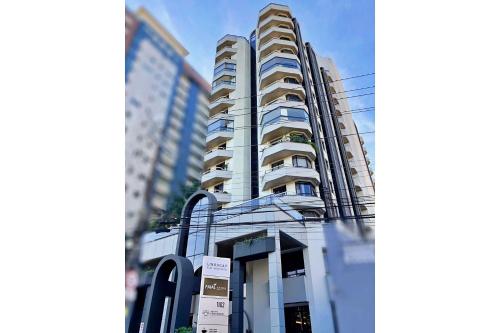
<point x="283" y="158"/>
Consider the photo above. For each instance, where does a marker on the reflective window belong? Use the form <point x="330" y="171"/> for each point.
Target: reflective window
<point x="293" y="97"/>
<point x="197" y="235"/>
<point x="280" y="189"/>
<point x="221" y="125"/>
<point x="278" y="61"/>
<point x="305" y="188"/>
<point x="301" y="162"/>
<point x="284" y="114"/>
<point x="225" y="66"/>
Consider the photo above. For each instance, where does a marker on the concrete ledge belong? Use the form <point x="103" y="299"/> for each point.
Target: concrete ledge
<point x="254" y="249"/>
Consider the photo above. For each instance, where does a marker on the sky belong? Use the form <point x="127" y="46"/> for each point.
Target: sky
<point x="343" y="30"/>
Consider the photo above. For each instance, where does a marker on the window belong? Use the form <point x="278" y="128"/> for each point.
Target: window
<point x="277" y="165"/>
<point x="222" y="146"/>
<point x="293" y="97"/>
<point x="283" y="26"/>
<point x="305" y="188"/>
<point x="292" y="264"/>
<point x="284" y="114"/>
<point x="301" y="162"/>
<point x="288" y="51"/>
<point x="297" y="114"/>
<point x="280" y="189"/>
<point x="136" y="194"/>
<point x="279" y="61"/>
<point x="231" y="80"/>
<point x="221" y="125"/>
<point x="284" y="38"/>
<point x="221" y="166"/>
<point x="219" y="188"/>
<point x="225" y="66"/>
<point x="291" y="80"/>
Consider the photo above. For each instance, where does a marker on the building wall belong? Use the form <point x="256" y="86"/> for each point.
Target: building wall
<point x="237" y="186"/>
<point x="166" y="109"/>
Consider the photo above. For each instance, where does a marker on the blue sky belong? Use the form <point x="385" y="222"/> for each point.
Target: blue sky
<point x="342" y="30"/>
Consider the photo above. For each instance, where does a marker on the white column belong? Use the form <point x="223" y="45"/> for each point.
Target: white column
<point x="276" y="306"/>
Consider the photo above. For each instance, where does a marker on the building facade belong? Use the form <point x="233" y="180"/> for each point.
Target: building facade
<point x="283" y="159"/>
<point x="166" y="112"/>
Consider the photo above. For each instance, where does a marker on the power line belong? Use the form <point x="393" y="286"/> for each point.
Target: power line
<point x="298" y="88"/>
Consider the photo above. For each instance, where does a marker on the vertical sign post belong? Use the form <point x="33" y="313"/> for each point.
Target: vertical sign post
<point x="213" y="309"/>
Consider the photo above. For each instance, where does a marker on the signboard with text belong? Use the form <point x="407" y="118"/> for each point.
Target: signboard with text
<point x="213" y="308"/>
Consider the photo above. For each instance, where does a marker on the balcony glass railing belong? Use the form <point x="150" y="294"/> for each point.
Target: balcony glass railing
<point x="221" y="129"/>
<point x="279" y="62"/>
<point x="221" y="125"/>
<point x="225" y="67"/>
<point x="218" y="83"/>
<point x="281" y="114"/>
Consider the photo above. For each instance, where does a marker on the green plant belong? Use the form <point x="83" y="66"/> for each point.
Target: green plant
<point x="184" y="330"/>
<point x="249" y="241"/>
<point x="298" y="138"/>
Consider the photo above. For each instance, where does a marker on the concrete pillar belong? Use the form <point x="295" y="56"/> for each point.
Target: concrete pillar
<point x="237" y="278"/>
<point x="276" y="307"/>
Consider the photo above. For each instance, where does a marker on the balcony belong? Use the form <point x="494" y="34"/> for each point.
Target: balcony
<point x="226" y="52"/>
<point x="276" y="32"/>
<point x="220" y="104"/>
<point x="283" y="127"/>
<point x="230" y="72"/>
<point x="274" y="9"/>
<point x="222" y="88"/>
<point x="222" y="197"/>
<point x="276" y="45"/>
<point x="219" y="136"/>
<point x="286" y="174"/>
<point x="303" y="201"/>
<point x="226" y="41"/>
<point x="215" y="176"/>
<point x="217" y="156"/>
<point x="279" y="72"/>
<point x="224" y="61"/>
<point x="278" y="89"/>
<point x="274" y="21"/>
<point x="284" y="149"/>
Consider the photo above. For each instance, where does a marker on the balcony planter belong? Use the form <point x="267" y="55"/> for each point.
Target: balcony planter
<point x="253" y="249"/>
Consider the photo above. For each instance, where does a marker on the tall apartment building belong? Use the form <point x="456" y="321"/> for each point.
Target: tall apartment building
<point x="283" y="158"/>
<point x="271" y="104"/>
<point x="166" y="110"/>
